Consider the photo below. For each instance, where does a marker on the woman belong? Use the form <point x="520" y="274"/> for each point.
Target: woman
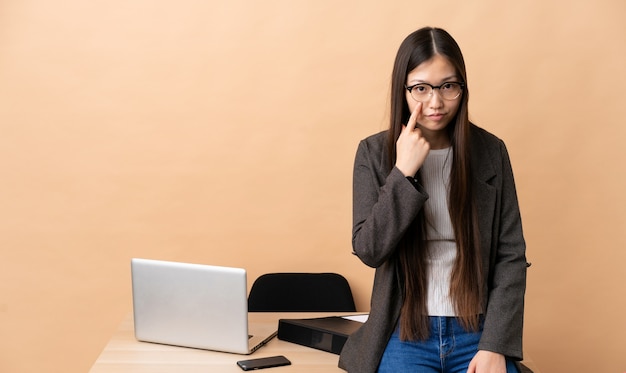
<point x="436" y="213"/>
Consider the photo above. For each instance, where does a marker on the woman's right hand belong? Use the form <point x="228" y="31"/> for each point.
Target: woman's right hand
<point x="411" y="147"/>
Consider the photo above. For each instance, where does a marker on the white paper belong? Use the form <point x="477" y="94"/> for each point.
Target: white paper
<point x="359" y="318"/>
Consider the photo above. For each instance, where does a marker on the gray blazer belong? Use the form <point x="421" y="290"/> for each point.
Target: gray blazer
<point x="385" y="203"/>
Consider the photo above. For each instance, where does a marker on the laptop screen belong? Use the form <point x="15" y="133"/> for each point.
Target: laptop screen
<point x="190" y="305"/>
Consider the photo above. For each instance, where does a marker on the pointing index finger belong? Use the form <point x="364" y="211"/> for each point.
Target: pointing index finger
<point x="412" y="124"/>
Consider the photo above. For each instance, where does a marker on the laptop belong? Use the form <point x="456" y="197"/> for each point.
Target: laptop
<point x="194" y="305"/>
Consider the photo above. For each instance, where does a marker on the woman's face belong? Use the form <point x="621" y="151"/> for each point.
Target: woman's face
<point x="436" y="112"/>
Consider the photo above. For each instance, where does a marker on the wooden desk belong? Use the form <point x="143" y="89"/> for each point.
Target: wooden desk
<point x="124" y="354"/>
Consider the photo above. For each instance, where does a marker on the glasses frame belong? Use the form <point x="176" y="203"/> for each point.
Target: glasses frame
<point x="432" y="89"/>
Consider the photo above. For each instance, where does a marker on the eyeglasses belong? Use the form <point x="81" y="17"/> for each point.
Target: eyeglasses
<point x="423" y="91"/>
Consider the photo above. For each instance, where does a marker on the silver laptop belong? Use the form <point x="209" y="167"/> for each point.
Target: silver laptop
<point x="194" y="305"/>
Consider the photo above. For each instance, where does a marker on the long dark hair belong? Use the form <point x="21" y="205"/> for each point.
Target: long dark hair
<point x="467" y="281"/>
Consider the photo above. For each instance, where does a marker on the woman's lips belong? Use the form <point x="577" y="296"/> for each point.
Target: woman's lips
<point x="435" y="117"/>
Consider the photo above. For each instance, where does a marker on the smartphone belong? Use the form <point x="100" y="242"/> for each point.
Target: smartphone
<point x="264" y="362"/>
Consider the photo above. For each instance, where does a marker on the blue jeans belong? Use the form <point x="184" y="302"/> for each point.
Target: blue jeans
<point x="449" y="349"/>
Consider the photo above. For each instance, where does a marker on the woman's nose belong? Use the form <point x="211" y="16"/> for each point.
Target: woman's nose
<point x="435" y="99"/>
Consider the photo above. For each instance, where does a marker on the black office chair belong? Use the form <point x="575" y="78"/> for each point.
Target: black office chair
<point x="525" y="369"/>
<point x="301" y="292"/>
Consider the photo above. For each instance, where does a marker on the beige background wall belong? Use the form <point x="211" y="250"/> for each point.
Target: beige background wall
<point x="223" y="132"/>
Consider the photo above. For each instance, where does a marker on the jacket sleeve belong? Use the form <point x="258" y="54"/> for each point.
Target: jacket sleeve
<point x="385" y="204"/>
<point x="507" y="278"/>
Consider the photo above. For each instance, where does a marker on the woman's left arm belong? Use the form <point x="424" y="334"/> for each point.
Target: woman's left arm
<point x="504" y="315"/>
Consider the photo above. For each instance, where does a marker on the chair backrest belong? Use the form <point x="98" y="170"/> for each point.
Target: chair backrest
<point x="301" y="292"/>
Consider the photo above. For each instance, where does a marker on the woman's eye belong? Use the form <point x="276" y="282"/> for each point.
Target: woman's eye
<point x="447" y="86"/>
